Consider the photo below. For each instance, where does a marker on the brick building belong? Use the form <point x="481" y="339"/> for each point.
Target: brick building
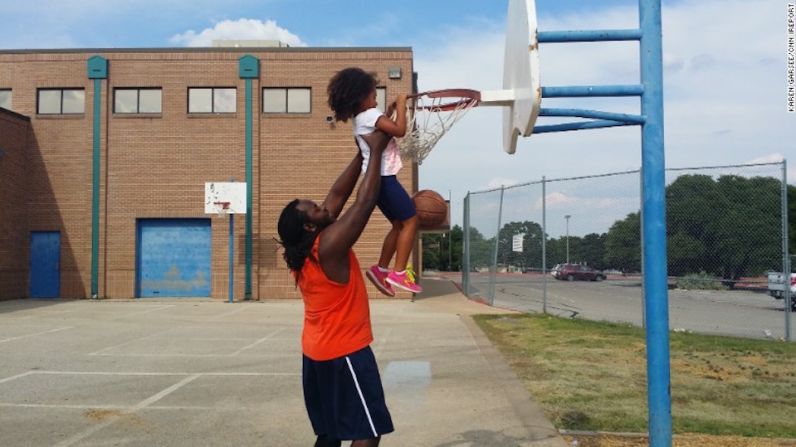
<point x="99" y="148"/>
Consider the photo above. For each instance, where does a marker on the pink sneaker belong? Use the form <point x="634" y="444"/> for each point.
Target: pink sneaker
<point x="377" y="277"/>
<point x="403" y="281"/>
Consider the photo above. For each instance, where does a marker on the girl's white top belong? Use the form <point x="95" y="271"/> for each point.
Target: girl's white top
<point x="365" y="123"/>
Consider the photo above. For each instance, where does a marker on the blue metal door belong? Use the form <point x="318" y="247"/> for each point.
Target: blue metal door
<point x="173" y="258"/>
<point x="45" y="264"/>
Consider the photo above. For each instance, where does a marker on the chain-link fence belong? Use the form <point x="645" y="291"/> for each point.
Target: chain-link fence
<point x="573" y="247"/>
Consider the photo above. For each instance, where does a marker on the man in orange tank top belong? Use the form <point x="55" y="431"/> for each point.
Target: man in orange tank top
<point x="342" y="388"/>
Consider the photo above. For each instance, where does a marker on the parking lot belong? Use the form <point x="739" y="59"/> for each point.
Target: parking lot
<point x="727" y="312"/>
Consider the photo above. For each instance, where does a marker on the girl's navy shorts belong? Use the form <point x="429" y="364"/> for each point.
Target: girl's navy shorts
<point x="393" y="200"/>
<point x="345" y="398"/>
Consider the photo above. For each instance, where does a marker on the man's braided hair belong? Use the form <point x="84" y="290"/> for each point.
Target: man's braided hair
<point x="295" y="239"/>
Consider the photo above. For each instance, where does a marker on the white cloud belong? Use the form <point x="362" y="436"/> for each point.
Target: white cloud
<point x="241" y="29"/>
<point x="554" y="199"/>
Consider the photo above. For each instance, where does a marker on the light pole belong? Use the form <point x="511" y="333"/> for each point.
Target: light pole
<point x="567" y="218"/>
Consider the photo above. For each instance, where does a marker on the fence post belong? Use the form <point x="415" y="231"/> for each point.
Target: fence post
<point x="785" y="250"/>
<point x="466" y="245"/>
<point x="641" y="244"/>
<point x="544" y="245"/>
<point x="493" y="276"/>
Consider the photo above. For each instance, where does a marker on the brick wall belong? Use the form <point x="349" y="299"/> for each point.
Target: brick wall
<point x="14" y="184"/>
<point x="156" y="166"/>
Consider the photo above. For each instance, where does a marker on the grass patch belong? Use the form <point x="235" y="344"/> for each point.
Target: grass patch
<point x="592" y="376"/>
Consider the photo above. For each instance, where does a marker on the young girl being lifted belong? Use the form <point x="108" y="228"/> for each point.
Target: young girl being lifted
<point x="352" y="95"/>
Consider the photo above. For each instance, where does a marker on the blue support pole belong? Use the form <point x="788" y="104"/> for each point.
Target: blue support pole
<point x="581" y="125"/>
<point x="588" y="36"/>
<point x="577" y="91"/>
<point x="595" y="114"/>
<point x="231" y="256"/>
<point x="654" y="227"/>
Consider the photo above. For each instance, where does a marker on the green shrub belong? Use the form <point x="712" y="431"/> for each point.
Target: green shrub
<point x="699" y="281"/>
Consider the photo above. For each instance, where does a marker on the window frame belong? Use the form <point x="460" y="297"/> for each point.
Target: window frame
<point x="287" y="110"/>
<point x="10" y="97"/>
<point x="61" y="100"/>
<point x="382" y="107"/>
<point x="212" y="100"/>
<point x="137" y="100"/>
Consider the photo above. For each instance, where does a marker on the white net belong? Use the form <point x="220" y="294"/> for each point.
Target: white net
<point x="429" y="116"/>
<point x="222" y="208"/>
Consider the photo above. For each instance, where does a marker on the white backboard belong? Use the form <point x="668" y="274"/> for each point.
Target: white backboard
<point x="218" y="192"/>
<point x="521" y="73"/>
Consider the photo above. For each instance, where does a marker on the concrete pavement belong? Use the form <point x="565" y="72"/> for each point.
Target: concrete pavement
<point x="192" y="372"/>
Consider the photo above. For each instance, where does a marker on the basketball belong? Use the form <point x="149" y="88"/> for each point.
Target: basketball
<point x="431" y="208"/>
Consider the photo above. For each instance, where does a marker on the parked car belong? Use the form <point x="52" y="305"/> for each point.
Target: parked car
<point x="572" y="272"/>
<point x="776" y="287"/>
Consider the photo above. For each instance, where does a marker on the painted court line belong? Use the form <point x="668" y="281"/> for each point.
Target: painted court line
<point x="91" y="430"/>
<point x="268" y="355"/>
<point x="35" y="334"/>
<point x="18" y="376"/>
<point x="145" y="373"/>
<point x="156" y="334"/>
<point x="146" y="402"/>
<point x="66" y="407"/>
<point x="129" y="409"/>
<point x="142" y="312"/>
<point x="227" y="314"/>
<point x="267" y="337"/>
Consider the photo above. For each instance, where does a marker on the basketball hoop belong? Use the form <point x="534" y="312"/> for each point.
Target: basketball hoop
<point x="222" y="208"/>
<point x="429" y="115"/>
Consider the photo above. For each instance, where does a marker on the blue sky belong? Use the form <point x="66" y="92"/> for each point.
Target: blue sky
<point x="724" y="75"/>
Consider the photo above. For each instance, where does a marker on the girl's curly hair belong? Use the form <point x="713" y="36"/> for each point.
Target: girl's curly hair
<point x="347" y="89"/>
<point x="296" y="241"/>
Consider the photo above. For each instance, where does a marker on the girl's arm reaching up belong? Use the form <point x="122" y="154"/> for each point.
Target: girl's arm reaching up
<point x="395" y="128"/>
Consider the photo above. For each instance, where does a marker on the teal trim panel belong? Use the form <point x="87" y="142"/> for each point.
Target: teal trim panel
<point x="97" y="69"/>
<point x="249" y="68"/>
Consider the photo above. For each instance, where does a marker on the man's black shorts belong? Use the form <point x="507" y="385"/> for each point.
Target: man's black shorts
<point x="345" y="398"/>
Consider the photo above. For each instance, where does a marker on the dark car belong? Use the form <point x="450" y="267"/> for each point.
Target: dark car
<point x="572" y="272"/>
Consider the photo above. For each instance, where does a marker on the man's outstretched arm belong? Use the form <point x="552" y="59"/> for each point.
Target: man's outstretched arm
<point x="343" y="187"/>
<point x="340" y="236"/>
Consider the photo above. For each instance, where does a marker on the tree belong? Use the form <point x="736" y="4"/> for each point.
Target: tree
<point x="531" y="255"/>
<point x="623" y="244"/>
<point x="591" y="250"/>
<point x="729" y="227"/>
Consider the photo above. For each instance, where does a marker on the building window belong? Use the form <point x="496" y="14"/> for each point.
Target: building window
<point x="381" y="99"/>
<point x="61" y="101"/>
<point x="287" y="100"/>
<point x="137" y="100"/>
<point x="5" y="98"/>
<point x="212" y="100"/>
